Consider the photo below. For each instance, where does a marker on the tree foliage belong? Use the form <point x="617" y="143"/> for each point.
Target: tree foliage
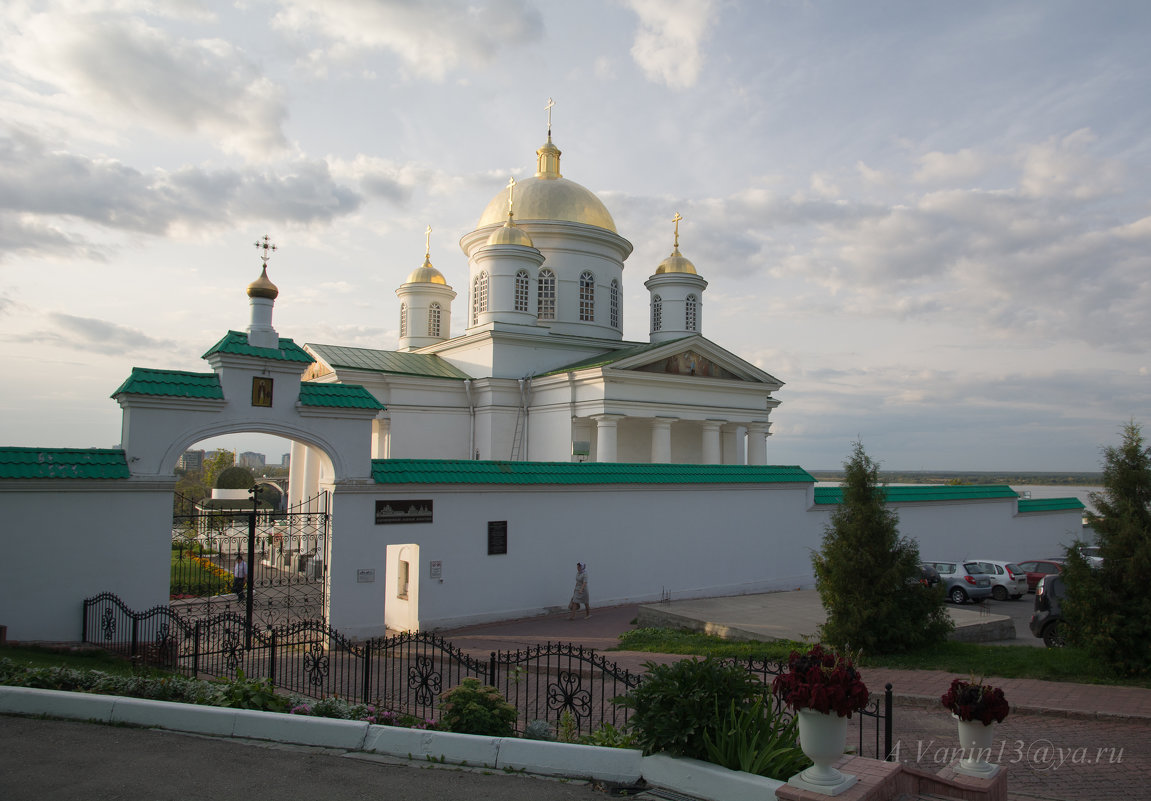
<point x="216" y="464"/>
<point x="1108" y="608"/>
<point x="868" y="576"/>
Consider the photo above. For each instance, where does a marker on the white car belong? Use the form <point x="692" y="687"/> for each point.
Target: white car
<point x="1008" y="580"/>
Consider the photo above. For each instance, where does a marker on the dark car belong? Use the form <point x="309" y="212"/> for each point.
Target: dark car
<point x="928" y="576"/>
<point x="1036" y="569"/>
<point x="1047" y="619"/>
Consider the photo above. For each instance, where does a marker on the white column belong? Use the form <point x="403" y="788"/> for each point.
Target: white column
<point x="661" y="440"/>
<point x="296" y="473"/>
<point x="757" y="443"/>
<point x="729" y="438"/>
<point x="311" y="475"/>
<point x="381" y="437"/>
<point x="605" y="436"/>
<point x="710" y="441"/>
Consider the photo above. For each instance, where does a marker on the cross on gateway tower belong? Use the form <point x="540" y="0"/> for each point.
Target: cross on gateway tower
<point x="265" y="244"/>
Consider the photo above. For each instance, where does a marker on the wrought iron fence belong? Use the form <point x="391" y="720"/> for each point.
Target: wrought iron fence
<point x="406" y="673"/>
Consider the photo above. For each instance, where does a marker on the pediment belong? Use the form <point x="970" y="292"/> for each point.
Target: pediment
<point x="688" y="362"/>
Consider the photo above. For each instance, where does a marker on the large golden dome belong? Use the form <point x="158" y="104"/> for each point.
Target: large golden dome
<point x="549" y="196"/>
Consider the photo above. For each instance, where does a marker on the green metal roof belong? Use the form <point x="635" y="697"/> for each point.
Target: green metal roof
<point x="340" y="396"/>
<point x="236" y="343"/>
<point x="925" y="492"/>
<point x="463" y="471"/>
<point x="63" y="463"/>
<point x="610" y="357"/>
<point x="1049" y="504"/>
<point x="387" y="361"/>
<point x="171" y="383"/>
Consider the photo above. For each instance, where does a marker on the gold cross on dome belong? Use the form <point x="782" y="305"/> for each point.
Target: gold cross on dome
<point x="428" y="241"/>
<point x="511" y="192"/>
<point x="548" y="108"/>
<point x="265" y="244"/>
<point x="676" y="220"/>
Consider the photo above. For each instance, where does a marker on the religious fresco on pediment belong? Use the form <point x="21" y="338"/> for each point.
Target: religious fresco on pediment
<point x="688" y="363"/>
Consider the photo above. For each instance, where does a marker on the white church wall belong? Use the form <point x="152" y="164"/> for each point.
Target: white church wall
<point x="686" y="443"/>
<point x="69" y="540"/>
<point x="423" y="433"/>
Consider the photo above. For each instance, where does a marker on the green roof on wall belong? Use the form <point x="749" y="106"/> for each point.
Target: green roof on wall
<point x="339" y="396"/>
<point x="464" y="471"/>
<point x="63" y="463"/>
<point x="925" y="492"/>
<point x="236" y="343"/>
<point x="1049" y="504"/>
<point x="171" y="383"/>
<point x="387" y="361"/>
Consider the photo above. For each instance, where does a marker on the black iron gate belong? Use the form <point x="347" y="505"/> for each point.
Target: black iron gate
<point x="287" y="567"/>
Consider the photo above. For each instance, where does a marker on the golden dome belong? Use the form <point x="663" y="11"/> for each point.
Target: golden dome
<point x="262" y="287"/>
<point x="550" y="197"/>
<point x="426" y="274"/>
<point x="676" y="263"/>
<point x="510" y="234"/>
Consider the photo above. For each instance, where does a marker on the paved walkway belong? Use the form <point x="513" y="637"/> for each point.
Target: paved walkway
<point x="802" y="611"/>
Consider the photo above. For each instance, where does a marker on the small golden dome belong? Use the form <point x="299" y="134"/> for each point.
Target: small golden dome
<point x="549" y="196"/>
<point x="510" y="234"/>
<point x="676" y="263"/>
<point x="426" y="274"/>
<point x="262" y="287"/>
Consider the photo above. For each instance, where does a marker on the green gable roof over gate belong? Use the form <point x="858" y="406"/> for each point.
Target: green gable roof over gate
<point x="63" y="463"/>
<point x="337" y="396"/>
<point x="464" y="471"/>
<point x="236" y="343"/>
<point x="171" y="384"/>
<point x="925" y="492"/>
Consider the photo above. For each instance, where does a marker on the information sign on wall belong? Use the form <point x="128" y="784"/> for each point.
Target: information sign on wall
<point x="388" y="512"/>
<point x="497" y="537"/>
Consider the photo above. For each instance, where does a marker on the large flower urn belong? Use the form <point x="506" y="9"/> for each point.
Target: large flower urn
<point x="975" y="741"/>
<point x="822" y="737"/>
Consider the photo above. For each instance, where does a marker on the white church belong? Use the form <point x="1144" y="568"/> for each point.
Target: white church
<point x="466" y="475"/>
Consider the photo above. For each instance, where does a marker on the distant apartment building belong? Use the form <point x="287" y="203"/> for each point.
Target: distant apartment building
<point x="251" y="459"/>
<point x="286" y="460"/>
<point x="191" y="461"/>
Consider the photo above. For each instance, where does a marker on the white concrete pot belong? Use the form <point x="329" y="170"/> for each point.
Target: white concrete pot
<point x="822" y="737"/>
<point x="975" y="741"/>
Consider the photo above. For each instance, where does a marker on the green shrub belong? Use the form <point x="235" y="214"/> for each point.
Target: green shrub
<point x="538" y="730"/>
<point x="758" y="739"/>
<point x="474" y="708"/>
<point x="244" y="693"/>
<point x="677" y="703"/>
<point x="609" y="736"/>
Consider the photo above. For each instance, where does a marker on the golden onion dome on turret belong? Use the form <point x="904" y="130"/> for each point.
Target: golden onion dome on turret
<point x="550" y="196"/>
<point x="426" y="274"/>
<point x="510" y="234"/>
<point x="262" y="287"/>
<point x="676" y="263"/>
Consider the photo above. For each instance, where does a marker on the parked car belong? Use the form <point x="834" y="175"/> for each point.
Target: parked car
<point x="1036" y="569"/>
<point x="1047" y="619"/>
<point x="1007" y="579"/>
<point x="963" y="581"/>
<point x="1091" y="554"/>
<point x="928" y="576"/>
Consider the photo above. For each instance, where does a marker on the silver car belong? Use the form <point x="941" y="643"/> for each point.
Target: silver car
<point x="963" y="581"/>
<point x="1008" y="580"/>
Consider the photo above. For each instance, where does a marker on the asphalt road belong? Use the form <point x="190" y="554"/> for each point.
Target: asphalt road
<point x="1020" y="613"/>
<point x="52" y="759"/>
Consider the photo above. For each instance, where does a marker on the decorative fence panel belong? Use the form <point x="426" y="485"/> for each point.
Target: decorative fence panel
<point x="406" y="673"/>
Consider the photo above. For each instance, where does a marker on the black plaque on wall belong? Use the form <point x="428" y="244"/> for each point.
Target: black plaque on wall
<point x="497" y="537"/>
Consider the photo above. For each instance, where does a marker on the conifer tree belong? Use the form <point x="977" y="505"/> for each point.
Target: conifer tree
<point x="868" y="576"/>
<point x="1107" y="610"/>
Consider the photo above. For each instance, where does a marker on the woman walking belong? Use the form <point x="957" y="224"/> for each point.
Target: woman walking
<point x="580" y="594"/>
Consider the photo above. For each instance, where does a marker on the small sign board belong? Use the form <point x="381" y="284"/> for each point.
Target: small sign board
<point x="436" y="569"/>
<point x="365" y="576"/>
<point x="391" y="512"/>
<point x="497" y="537"/>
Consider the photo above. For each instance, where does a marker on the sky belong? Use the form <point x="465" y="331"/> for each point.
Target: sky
<point x="932" y="221"/>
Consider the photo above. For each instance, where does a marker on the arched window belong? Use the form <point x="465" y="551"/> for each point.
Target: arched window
<point x="691" y="313"/>
<point x="615" y="304"/>
<point x="521" y="300"/>
<point x="656" y="313"/>
<point x="586" y="297"/>
<point x="403" y="319"/>
<point x="546" y="295"/>
<point x="434" y="320"/>
<point x="479" y="297"/>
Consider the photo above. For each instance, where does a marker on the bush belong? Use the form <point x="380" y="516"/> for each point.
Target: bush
<point x="244" y="693"/>
<point x="677" y="703"/>
<point x="474" y="708"/>
<point x="760" y="739"/>
<point x="608" y="736"/>
<point x="235" y="478"/>
<point x="539" y="730"/>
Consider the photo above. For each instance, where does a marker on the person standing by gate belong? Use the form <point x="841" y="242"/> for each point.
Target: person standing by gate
<point x="240" y="571"/>
<point x="580" y="593"/>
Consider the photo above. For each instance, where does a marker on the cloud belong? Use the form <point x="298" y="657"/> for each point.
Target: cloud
<point x="431" y="38"/>
<point x="112" y="69"/>
<point x="1065" y="168"/>
<point x="668" y="45"/>
<point x="93" y="335"/>
<point x="44" y="191"/>
<point x="949" y="168"/>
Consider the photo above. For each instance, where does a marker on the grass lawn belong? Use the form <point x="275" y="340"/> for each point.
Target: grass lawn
<point x="89" y="658"/>
<point x="1005" y="661"/>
